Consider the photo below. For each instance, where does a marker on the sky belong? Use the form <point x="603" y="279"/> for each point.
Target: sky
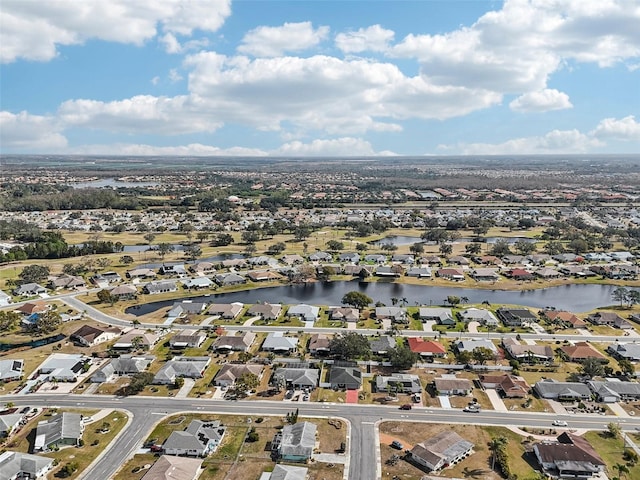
<point x="319" y="77"/>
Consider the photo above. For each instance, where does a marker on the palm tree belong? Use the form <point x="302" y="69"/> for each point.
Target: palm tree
<point x="495" y="445"/>
<point x="621" y="468"/>
<point x="464" y="300"/>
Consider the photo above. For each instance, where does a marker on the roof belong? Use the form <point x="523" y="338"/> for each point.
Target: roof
<point x="570" y="452"/>
<point x="182" y="367"/>
<point x="382" y="343"/>
<point x="89" y="333"/>
<point x="230" y="372"/>
<point x="196" y="436"/>
<point x="168" y="467"/>
<point x="298" y="376"/>
<point x="445" y="446"/>
<point x="470" y="345"/>
<point x="446" y="384"/>
<point x="11" y="368"/>
<point x="298" y="439"/>
<point x="344" y="375"/>
<point x="288" y="472"/>
<point x="554" y="387"/>
<point x="479" y="315"/>
<point x="234" y="342"/>
<point x="619" y="388"/>
<point x="581" y="350"/>
<point x="13" y="463"/>
<point x="420" y="345"/>
<point x="58" y="427"/>
<point x="277" y="341"/>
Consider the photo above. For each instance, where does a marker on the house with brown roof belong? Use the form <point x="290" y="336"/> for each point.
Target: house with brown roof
<point x="228" y="311"/>
<point x="450" y="274"/>
<point x="345" y="314"/>
<point x="137" y="338"/>
<point x="426" y="348"/>
<point x="450" y="385"/>
<point x="174" y="468"/>
<point x="236" y="343"/>
<point x="443" y="450"/>
<point x="570" y="456"/>
<point x="566" y="319"/>
<point x="263" y="276"/>
<point x="507" y="385"/>
<point x="611" y="319"/>
<point x="230" y="372"/>
<point x="124" y="292"/>
<point x="267" y="311"/>
<point x="581" y="351"/>
<point x="520" y="274"/>
<point x="67" y="281"/>
<point x="29" y="308"/>
<point x="319" y="344"/>
<point x="528" y="353"/>
<point x="88" y="335"/>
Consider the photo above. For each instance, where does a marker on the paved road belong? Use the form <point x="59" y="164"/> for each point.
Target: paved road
<point x="363" y="463"/>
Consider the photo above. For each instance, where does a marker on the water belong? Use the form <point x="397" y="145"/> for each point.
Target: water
<point x="575" y="298"/>
<point x="213" y="259"/>
<point x="402" y="240"/>
<point x="112" y="183"/>
<point x="36" y="343"/>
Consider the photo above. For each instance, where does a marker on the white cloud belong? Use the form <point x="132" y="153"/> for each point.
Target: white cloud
<point x="556" y="141"/>
<point x="346" y="146"/>
<point x="174" y="76"/>
<point x="517" y="48"/>
<point x="541" y="101"/>
<point x="140" y="114"/>
<point x="190" y="150"/>
<point x="624" y="129"/>
<point x="33" y="30"/>
<point x="155" y="80"/>
<point x="275" y="41"/>
<point x="373" y="38"/>
<point x="173" y="46"/>
<point x="23" y="131"/>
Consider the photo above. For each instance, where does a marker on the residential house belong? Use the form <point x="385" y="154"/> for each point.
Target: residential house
<point x="458" y="260"/>
<point x="614" y="390"/>
<point x="450" y="385"/>
<point x="295" y="443"/>
<point x="520" y="274"/>
<point x="528" y="353"/>
<point x="388" y="271"/>
<point x="89" y="336"/>
<point x="175" y="269"/>
<point x="260" y="260"/>
<point x="60" y="430"/>
<point x="345" y="377"/>
<point x="11" y="370"/>
<point x="304" y="312"/>
<point x="395" y="314"/>
<point x="320" y="257"/>
<point x="484" y="317"/>
<point x="277" y="342"/>
<point x="227" y="311"/>
<point x="487" y="260"/>
<point x="285" y="472"/>
<point x="547" y="273"/>
<point x="266" y="311"/>
<point x="230" y="372"/>
<point x="200" y="439"/>
<point x="484" y="274"/>
<point x="345" y="314"/>
<point x="163" y="286"/>
<point x="29" y="308"/>
<point x="123" y="365"/>
<point x="516" y="317"/>
<point x="143" y="273"/>
<point x="189" y="367"/>
<point x="450" y="274"/>
<point x="203" y="268"/>
<point x="419" y="272"/>
<point x="124" y="292"/>
<point x="296" y="376"/>
<point x="10" y="420"/>
<point x="426" y="348"/>
<point x="571" y="456"/>
<point x="263" y="276"/>
<point x="431" y="260"/>
<point x="471" y="344"/>
<point x="235" y="343"/>
<point x="169" y="467"/>
<point x="507" y="385"/>
<point x="398" y="382"/>
<point x="294" y="259"/>
<point x="566" y="319"/>
<point x="626" y="351"/>
<point x="445" y="449"/>
<point x="382" y="344"/>
<point x="15" y="465"/>
<point x="319" y="344"/>
<point x="581" y="351"/>
<point x="197" y="283"/>
<point x="5" y="299"/>
<point x="611" y="319"/>
<point x="105" y="279"/>
<point x="229" y="279"/>
<point x="349" y="257"/>
<point x="69" y="282"/>
<point x="551" y="389"/>
<point x="443" y="316"/>
<point x="405" y="259"/>
<point x="187" y="339"/>
<point x="64" y="367"/>
<point x="375" y="258"/>
<point x="512" y="259"/>
<point x="137" y="339"/>
<point x="29" y="290"/>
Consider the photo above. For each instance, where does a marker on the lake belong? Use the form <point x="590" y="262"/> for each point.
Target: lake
<point x="402" y="240"/>
<point x="575" y="298"/>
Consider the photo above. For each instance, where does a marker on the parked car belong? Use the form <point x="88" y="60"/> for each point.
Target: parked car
<point x="397" y="445"/>
<point x="406" y="406"/>
<point x="471" y="409"/>
<point x="560" y="423"/>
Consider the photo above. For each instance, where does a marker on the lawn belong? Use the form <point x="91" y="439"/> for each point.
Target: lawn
<point x="611" y="449"/>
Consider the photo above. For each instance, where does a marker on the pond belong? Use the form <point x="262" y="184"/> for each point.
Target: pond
<point x="575" y="298"/>
<point x="36" y="343"/>
<point x="402" y="240"/>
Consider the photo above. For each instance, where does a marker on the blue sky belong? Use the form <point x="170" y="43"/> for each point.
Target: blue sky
<point x="317" y="78"/>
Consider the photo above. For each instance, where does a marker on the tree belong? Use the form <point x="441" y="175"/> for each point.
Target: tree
<point x="402" y="357"/>
<point x="523" y="247"/>
<point x="138" y="382"/>
<point x="633" y="297"/>
<point x="48" y="321"/>
<point x="500" y="248"/>
<point x="626" y="367"/>
<point x="553" y="247"/>
<point x="179" y="382"/>
<point x="304" y="273"/>
<point x="473" y="248"/>
<point x="202" y="236"/>
<point x="453" y="300"/>
<point x="350" y="346"/>
<point x="105" y="297"/>
<point x="621" y="468"/>
<point x="250" y="236"/>
<point x="592" y="367"/>
<point x="362" y="247"/>
<point x="34" y="274"/>
<point x="103" y="263"/>
<point x="246" y="383"/>
<point x="192" y="252"/>
<point x="417" y="248"/>
<point x="614" y="430"/>
<point x="9" y="320"/>
<point x="252" y="436"/>
<point x="106" y="426"/>
<point x="446" y="249"/>
<point x="276" y="248"/>
<point x="69" y="469"/>
<point x="334" y="245"/>
<point x="222" y="240"/>
<point x="482" y="355"/>
<point x="497" y="445"/>
<point x="464" y="357"/>
<point x="164" y="249"/>
<point x="149" y="237"/>
<point x="126" y="259"/>
<point x="620" y="294"/>
<point x="356" y="299"/>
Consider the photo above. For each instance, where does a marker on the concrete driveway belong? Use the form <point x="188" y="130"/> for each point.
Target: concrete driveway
<point x="496" y="401"/>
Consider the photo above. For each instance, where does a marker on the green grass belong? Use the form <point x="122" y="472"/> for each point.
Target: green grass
<point x="611" y="449"/>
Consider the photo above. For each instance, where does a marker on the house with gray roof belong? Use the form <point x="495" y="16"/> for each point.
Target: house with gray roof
<point x="141" y="273"/>
<point x="485" y="317"/>
<point x="445" y="449"/>
<point x="551" y="389"/>
<point x="64" y="367"/>
<point x="444" y="316"/>
<point x="266" y="311"/>
<point x="398" y="382"/>
<point x="419" y="272"/>
<point x="277" y="342"/>
<point x="516" y="317"/>
<point x="177" y="269"/>
<point x="60" y="430"/>
<point x="304" y="312"/>
<point x="187" y="307"/>
<point x="230" y="372"/>
<point x="235" y="343"/>
<point x="375" y="258"/>
<point x="29" y="290"/>
<point x="10" y="419"/>
<point x="14" y="465"/>
<point x="395" y="314"/>
<point x="228" y="311"/>
<point x="66" y="281"/>
<point x="626" y="351"/>
<point x="200" y="439"/>
<point x="349" y="257"/>
<point x="614" y="390"/>
<point x="124" y="292"/>
<point x="169" y="467"/>
<point x="124" y="365"/>
<point x="197" y="283"/>
<point x="320" y="257"/>
<point x="285" y="472"/>
<point x="471" y="344"/>
<point x="451" y="385"/>
<point x="345" y="377"/>
<point x="163" y="286"/>
<point x="382" y="344"/>
<point x="189" y="367"/>
<point x="11" y="369"/>
<point x="345" y="314"/>
<point x="187" y="339"/>
<point x="296" y="376"/>
<point x="295" y="443"/>
<point x="5" y="299"/>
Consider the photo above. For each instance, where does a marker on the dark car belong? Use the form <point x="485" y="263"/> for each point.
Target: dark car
<point x="406" y="406"/>
<point x="397" y="445"/>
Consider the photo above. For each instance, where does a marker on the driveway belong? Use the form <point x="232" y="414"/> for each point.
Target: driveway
<point x="473" y="327"/>
<point x="428" y="325"/>
<point x="618" y="410"/>
<point x="557" y="407"/>
<point x="444" y="401"/>
<point x="496" y="401"/>
<point x="186" y="388"/>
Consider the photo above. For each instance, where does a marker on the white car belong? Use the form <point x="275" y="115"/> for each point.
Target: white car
<point x="560" y="423"/>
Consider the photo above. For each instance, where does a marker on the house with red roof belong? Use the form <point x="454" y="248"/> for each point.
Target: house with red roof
<point x="581" y="351"/>
<point x="426" y="348"/>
